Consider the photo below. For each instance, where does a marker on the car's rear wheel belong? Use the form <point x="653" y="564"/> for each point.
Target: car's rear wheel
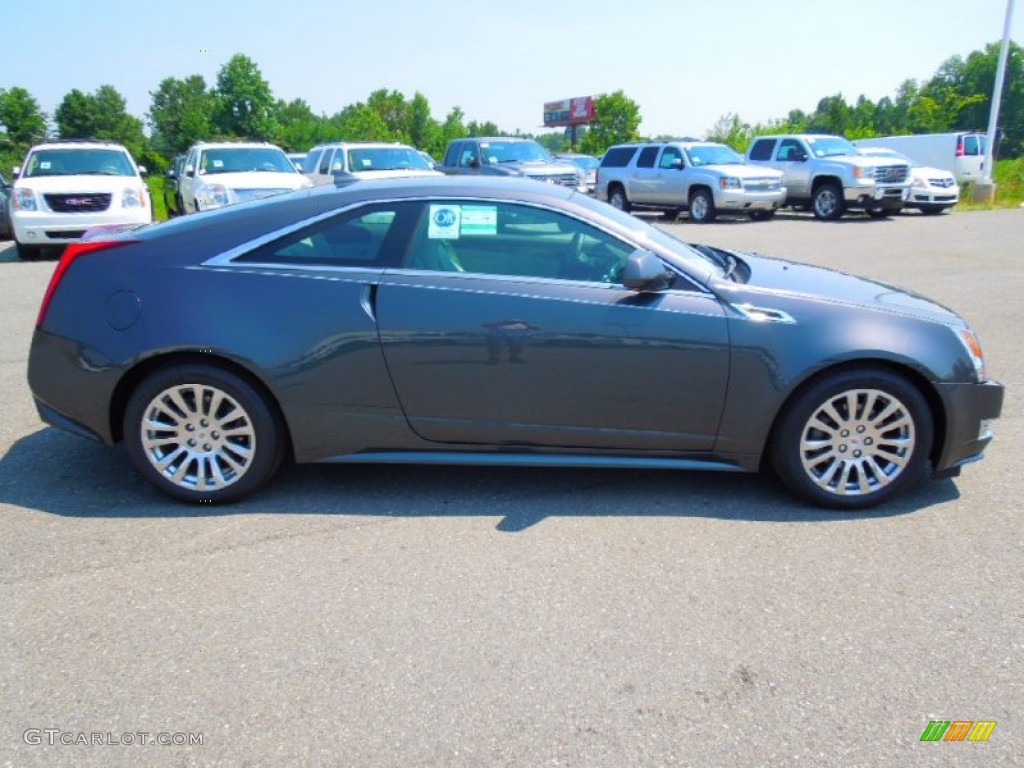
<point x="828" y="203"/>
<point x="702" y="207"/>
<point x="854" y="439"/>
<point x="201" y="434"/>
<point x="617" y="199"/>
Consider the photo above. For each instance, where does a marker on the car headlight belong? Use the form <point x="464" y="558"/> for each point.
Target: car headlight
<point x="973" y="347"/>
<point x="213" y="195"/>
<point x="730" y="182"/>
<point x="920" y="183"/>
<point x="864" y="173"/>
<point x="133" y="197"/>
<point x="25" y="200"/>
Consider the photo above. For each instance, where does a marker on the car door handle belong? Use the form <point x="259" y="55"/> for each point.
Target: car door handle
<point x="368" y="301"/>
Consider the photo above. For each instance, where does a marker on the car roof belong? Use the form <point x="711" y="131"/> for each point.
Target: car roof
<point x="80" y="144"/>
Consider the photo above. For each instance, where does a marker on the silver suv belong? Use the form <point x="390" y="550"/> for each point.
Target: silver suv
<point x="324" y="163"/>
<point x="702" y="177"/>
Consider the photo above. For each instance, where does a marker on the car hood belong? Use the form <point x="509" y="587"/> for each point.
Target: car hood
<point x="256" y="180"/>
<point x="72" y="184"/>
<point x="794" y="280"/>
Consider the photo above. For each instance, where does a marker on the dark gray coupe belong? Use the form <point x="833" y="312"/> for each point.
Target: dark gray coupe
<point x="476" y="321"/>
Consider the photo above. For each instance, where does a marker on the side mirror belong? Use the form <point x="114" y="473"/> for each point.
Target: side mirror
<point x="17" y="171"/>
<point x="143" y="171"/>
<point x="677" y="163"/>
<point x="799" y="156"/>
<point x="171" y="174"/>
<point x="645" y="272"/>
<point x="190" y="171"/>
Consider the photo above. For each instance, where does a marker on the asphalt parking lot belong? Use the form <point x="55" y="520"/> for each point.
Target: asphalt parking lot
<point x="403" y="616"/>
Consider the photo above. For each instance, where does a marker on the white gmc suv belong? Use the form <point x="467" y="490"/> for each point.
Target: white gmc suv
<point x="223" y="173"/>
<point x="67" y="187"/>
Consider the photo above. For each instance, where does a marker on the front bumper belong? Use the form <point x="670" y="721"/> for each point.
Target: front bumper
<point x="744" y="200"/>
<point x="47" y="228"/>
<point x="969" y="410"/>
<point x="877" y="197"/>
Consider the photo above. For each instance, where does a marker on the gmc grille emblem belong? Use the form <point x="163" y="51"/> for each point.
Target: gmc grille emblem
<point x="78" y="200"/>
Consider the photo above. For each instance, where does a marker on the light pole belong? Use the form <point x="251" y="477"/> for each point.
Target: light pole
<point x="985" y="190"/>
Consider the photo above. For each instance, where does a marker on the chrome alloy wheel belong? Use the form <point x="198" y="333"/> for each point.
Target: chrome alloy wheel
<point x="857" y="442"/>
<point x="198" y="437"/>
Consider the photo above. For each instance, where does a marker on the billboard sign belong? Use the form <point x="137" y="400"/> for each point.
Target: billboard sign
<point x="578" y="111"/>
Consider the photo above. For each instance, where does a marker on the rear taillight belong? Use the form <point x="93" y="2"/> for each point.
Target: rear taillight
<point x="959" y="146"/>
<point x="71" y="253"/>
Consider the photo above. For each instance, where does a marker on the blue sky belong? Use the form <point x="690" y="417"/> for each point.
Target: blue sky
<point x="685" y="62"/>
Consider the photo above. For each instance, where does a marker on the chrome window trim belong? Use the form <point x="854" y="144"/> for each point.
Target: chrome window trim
<point x="228" y="257"/>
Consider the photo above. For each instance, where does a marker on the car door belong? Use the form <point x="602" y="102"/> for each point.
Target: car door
<point x="672" y="177"/>
<point x="506" y="325"/>
<point x="644" y="179"/>
<point x="792" y="159"/>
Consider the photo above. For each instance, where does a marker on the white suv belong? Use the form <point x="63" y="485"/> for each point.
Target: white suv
<point x="364" y="160"/>
<point x="224" y="173"/>
<point x="65" y="188"/>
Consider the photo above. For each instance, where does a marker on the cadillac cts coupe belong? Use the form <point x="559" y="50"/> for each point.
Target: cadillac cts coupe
<point x="489" y="321"/>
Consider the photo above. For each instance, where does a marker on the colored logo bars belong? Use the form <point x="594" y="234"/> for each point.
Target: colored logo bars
<point x="958" y="730"/>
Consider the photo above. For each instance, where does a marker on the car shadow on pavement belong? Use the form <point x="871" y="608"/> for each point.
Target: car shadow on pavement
<point x="60" y="474"/>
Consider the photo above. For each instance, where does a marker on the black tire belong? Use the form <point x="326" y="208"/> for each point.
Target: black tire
<point x="617" y="199"/>
<point x="190" y="459"/>
<point x="933" y="210"/>
<point x="881" y="448"/>
<point x="828" y="203"/>
<point x="762" y="215"/>
<point x="702" y="207"/>
<point x="28" y="252"/>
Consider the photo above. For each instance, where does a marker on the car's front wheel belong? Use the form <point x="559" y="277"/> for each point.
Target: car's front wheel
<point x="27" y="252"/>
<point x="702" y="207"/>
<point x="828" y="203"/>
<point x="201" y="434"/>
<point x="854" y="439"/>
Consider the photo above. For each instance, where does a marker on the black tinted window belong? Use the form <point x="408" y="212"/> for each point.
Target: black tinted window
<point x="361" y="238"/>
<point x="451" y="157"/>
<point x="647" y="157"/>
<point x="762" y="149"/>
<point x="618" y="157"/>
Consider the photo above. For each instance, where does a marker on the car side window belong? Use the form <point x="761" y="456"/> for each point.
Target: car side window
<point x="515" y="240"/>
<point x="467" y="155"/>
<point x="312" y="160"/>
<point x="762" y="149"/>
<point x="789" y="149"/>
<point x="366" y="237"/>
<point x="672" y="157"/>
<point x="647" y="156"/>
<point x="325" y="161"/>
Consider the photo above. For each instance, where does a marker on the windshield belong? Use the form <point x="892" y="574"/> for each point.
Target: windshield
<point x="79" y="162"/>
<point x="831" y="146"/>
<point x="586" y="162"/>
<point x="713" y="154"/>
<point x="245" y="159"/>
<point x="386" y="159"/>
<point x="512" y="152"/>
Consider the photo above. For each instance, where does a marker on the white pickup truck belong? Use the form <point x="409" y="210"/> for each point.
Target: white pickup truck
<point x="702" y="177"/>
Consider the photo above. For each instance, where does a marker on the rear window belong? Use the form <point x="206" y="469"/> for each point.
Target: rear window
<point x="762" y="149"/>
<point x="618" y="157"/>
<point x="974" y="144"/>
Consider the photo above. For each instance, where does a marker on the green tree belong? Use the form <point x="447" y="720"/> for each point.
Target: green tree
<point x="423" y="128"/>
<point x="181" y="113"/>
<point x="298" y="128"/>
<point x="394" y="111"/>
<point x="24" y="123"/>
<point x="360" y="122"/>
<point x="616" y="119"/>
<point x="100" y="115"/>
<point x="245" y="103"/>
<point x="451" y="129"/>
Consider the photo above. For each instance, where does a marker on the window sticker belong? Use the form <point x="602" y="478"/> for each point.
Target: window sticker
<point x="444" y="222"/>
<point x="218" y="163"/>
<point x="479" y="220"/>
<point x="45" y="165"/>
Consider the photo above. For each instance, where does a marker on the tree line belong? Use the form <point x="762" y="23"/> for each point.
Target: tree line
<point x="241" y="104"/>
